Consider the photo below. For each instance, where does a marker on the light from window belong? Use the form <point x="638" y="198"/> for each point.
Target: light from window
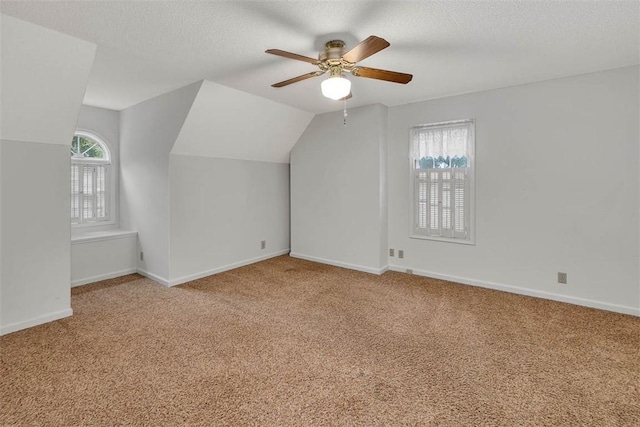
<point x="441" y="162"/>
<point x="89" y="179"/>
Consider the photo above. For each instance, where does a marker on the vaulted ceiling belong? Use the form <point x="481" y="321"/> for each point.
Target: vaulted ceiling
<point x="146" y="48"/>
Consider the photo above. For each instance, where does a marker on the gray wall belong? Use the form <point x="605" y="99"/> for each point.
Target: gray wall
<point x="147" y="133"/>
<point x="338" y="206"/>
<point x="557" y="190"/>
<point x="221" y="209"/>
<point x="44" y="76"/>
<point x="196" y="214"/>
<point x="35" y="233"/>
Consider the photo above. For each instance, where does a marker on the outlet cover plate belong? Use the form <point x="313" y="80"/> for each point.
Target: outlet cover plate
<point x="562" y="278"/>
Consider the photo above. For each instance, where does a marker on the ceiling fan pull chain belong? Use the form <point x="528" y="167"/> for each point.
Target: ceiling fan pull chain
<point x="345" y="112"/>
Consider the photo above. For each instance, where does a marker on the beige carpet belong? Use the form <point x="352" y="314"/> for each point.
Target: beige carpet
<point x="288" y="342"/>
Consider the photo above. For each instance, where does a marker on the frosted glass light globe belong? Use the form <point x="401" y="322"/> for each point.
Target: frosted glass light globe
<point x="336" y="87"/>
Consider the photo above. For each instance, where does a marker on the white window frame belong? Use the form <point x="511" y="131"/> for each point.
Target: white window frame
<point x="108" y="182"/>
<point x="416" y="175"/>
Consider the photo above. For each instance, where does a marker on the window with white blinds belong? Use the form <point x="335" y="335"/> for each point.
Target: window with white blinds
<point x="89" y="179"/>
<point x="442" y="181"/>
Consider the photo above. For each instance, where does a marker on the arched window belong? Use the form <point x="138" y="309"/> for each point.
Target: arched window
<point x="90" y="161"/>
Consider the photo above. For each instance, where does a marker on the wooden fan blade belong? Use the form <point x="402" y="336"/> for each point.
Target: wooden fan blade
<point x="374" y="73"/>
<point x="292" y="56"/>
<point x="365" y="49"/>
<point x="298" y="79"/>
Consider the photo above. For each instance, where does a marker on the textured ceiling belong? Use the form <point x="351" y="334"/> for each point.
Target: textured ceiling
<point x="146" y="48"/>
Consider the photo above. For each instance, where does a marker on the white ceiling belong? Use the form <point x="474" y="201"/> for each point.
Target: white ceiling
<point x="146" y="48"/>
<point x="217" y="126"/>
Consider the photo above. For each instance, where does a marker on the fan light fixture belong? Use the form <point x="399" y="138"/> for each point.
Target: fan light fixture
<point x="334" y="60"/>
<point x="336" y="86"/>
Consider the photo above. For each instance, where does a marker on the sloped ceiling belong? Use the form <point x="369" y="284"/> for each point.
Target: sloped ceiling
<point x="227" y="123"/>
<point x="41" y="103"/>
<point x="452" y="47"/>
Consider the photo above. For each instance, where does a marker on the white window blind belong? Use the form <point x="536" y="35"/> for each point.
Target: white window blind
<point x="441" y="159"/>
<point x="441" y="207"/>
<point x="89" y="192"/>
<point x="75" y="193"/>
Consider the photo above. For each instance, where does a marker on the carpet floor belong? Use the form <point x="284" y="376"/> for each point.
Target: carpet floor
<point x="287" y="342"/>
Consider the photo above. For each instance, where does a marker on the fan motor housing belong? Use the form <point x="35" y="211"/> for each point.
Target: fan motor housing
<point x="333" y="51"/>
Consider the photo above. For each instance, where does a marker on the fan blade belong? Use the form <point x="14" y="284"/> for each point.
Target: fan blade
<point x="365" y="49"/>
<point x="292" y="56"/>
<point x="298" y="79"/>
<point x="374" y="73"/>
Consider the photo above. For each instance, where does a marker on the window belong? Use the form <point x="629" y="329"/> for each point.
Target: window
<point x="90" y="163"/>
<point x="442" y="164"/>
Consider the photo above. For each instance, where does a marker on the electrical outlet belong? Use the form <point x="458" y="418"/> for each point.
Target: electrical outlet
<point x="400" y="253"/>
<point x="562" y="278"/>
<point x="391" y="252"/>
<point x="141" y="256"/>
<point x="263" y="244"/>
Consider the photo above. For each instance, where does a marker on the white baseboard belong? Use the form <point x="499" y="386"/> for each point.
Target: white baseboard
<point x="524" y="291"/>
<point x="154" y="277"/>
<point x="195" y="276"/>
<point x="362" y="268"/>
<point x="14" y="327"/>
<point x="93" y="279"/>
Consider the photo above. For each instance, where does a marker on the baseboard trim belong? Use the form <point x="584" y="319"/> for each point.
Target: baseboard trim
<point x="154" y="277"/>
<point x="93" y="279"/>
<point x="524" y="291"/>
<point x="15" y="327"/>
<point x="362" y="268"/>
<point x="200" y="275"/>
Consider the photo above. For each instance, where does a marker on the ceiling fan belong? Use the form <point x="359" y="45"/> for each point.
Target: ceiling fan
<point x="335" y="61"/>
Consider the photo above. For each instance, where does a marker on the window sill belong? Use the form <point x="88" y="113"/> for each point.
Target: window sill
<point x="443" y="239"/>
<point x="97" y="236"/>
